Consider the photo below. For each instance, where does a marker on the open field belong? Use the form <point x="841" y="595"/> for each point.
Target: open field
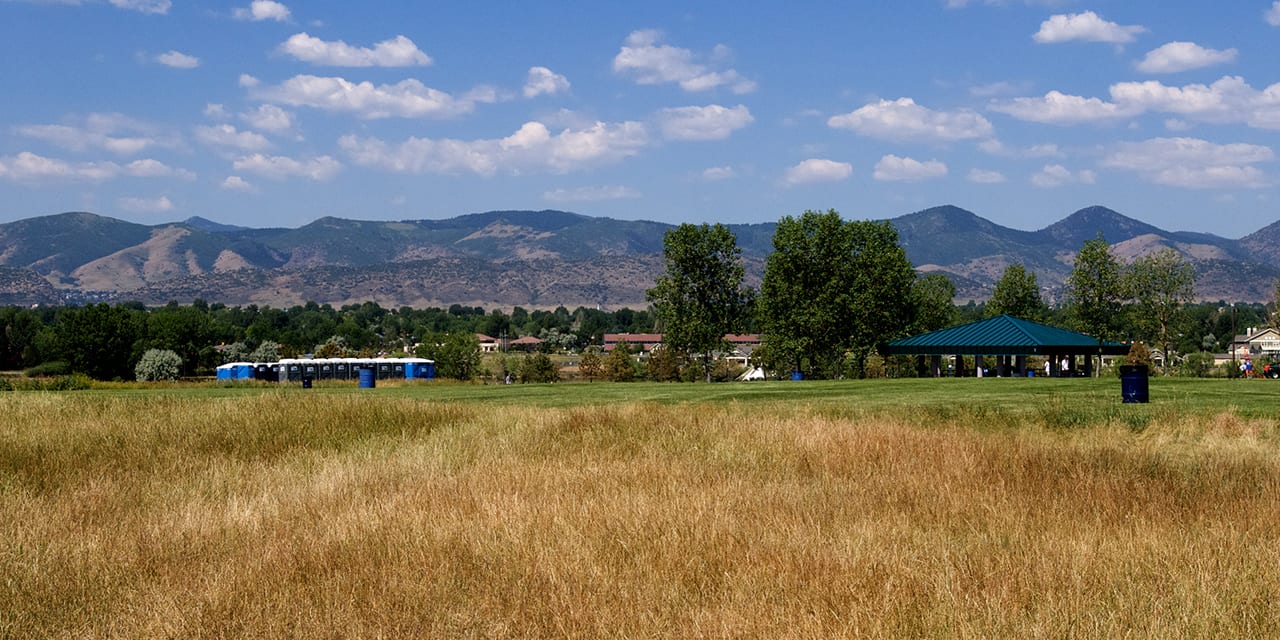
<point x="914" y="508"/>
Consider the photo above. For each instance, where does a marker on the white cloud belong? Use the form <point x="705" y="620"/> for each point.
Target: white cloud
<point x="712" y="122"/>
<point x="225" y="135"/>
<point x="715" y="174"/>
<point x="144" y="6"/>
<point x="149" y="168"/>
<point x="903" y="120"/>
<point x="146" y="205"/>
<point x="892" y="168"/>
<point x="1273" y="14"/>
<point x="532" y="148"/>
<point x="591" y="194"/>
<point x="1085" y="26"/>
<point x="1191" y="162"/>
<point x="1056" y="175"/>
<point x="178" y="60"/>
<point x="112" y="132"/>
<point x="1230" y="100"/>
<point x="1182" y="56"/>
<point x="27" y="167"/>
<point x="260" y="10"/>
<point x="247" y="81"/>
<point x="996" y="148"/>
<point x="405" y="99"/>
<point x="817" y="170"/>
<point x="236" y="183"/>
<point x="269" y="117"/>
<point x="396" y="52"/>
<point x="282" y="167"/>
<point x="542" y="80"/>
<point x="983" y="176"/>
<point x="1059" y="108"/>
<point x="650" y="62"/>
<point x="215" y="110"/>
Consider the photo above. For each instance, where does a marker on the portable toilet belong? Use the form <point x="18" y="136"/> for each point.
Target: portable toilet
<point x="341" y="369"/>
<point x="243" y="371"/>
<point x="290" y="370"/>
<point x="419" y="368"/>
<point x="383" y="366"/>
<point x="310" y="369"/>
<point x="262" y="371"/>
<point x="225" y="371"/>
<point x="326" y="369"/>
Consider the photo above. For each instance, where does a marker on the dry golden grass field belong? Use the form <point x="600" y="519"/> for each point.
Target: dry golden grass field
<point x="399" y="514"/>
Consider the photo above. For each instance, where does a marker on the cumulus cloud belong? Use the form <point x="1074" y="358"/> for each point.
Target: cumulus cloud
<point x="149" y="168"/>
<point x="178" y="60"/>
<point x="260" y="10"/>
<point x="716" y="174"/>
<point x="984" y="176"/>
<point x="144" y="6"/>
<point x="994" y="147"/>
<point x="903" y="120"/>
<point x="215" y="110"/>
<point x="1056" y="175"/>
<point x="1191" y="162"/>
<point x="1086" y="26"/>
<point x="591" y="194"/>
<point x="282" y="167"/>
<point x="1183" y="56"/>
<point x="161" y="204"/>
<point x="111" y="132"/>
<point x="712" y="122"/>
<point x="225" y="135"/>
<point x="644" y="58"/>
<point x="27" y="167"/>
<point x="533" y="148"/>
<point x="396" y="52"/>
<point x="247" y="81"/>
<point x="269" y="117"/>
<point x="542" y="80"/>
<point x="816" y="170"/>
<point x="892" y="168"/>
<point x="405" y="99"/>
<point x="1059" y="108"/>
<point x="236" y="183"/>
<point x="1273" y="14"/>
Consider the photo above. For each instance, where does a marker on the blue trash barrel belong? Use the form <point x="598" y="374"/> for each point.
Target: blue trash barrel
<point x="797" y="376"/>
<point x="368" y="377"/>
<point x="1133" y="383"/>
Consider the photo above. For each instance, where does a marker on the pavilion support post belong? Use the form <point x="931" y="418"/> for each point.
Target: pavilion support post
<point x="1088" y="366"/>
<point x="1002" y="366"/>
<point x="977" y="365"/>
<point x="935" y="366"/>
<point x="1055" y="368"/>
<point x="960" y="371"/>
<point x="1021" y="366"/>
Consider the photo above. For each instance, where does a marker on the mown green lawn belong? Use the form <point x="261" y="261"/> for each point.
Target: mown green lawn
<point x="1099" y="398"/>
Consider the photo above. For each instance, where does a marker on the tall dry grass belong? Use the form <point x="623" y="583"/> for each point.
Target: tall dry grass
<point x="347" y="516"/>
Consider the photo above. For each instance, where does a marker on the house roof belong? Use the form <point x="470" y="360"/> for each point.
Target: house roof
<point x="526" y="340"/>
<point x="1003" y="335"/>
<point x="633" y="338"/>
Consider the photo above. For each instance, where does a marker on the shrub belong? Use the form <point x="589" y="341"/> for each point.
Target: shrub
<point x="49" y="369"/>
<point x="158" y="364"/>
<point x="539" y="368"/>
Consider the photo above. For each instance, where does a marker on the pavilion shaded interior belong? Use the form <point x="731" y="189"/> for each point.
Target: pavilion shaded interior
<point x="1003" y="343"/>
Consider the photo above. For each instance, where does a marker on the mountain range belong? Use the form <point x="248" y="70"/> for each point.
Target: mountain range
<point x="535" y="258"/>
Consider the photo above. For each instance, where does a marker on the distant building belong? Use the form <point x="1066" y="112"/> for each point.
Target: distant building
<point x="1256" y="344"/>
<point x="741" y="344"/>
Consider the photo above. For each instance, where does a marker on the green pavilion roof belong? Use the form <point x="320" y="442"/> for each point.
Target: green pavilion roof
<point x="1003" y="335"/>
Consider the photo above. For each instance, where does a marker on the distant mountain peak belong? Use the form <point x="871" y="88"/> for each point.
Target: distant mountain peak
<point x="1088" y="222"/>
<point x="205" y="224"/>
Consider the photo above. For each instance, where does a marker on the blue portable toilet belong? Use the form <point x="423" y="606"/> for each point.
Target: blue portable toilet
<point x="224" y="371"/>
<point x="243" y="371"/>
<point x="419" y="368"/>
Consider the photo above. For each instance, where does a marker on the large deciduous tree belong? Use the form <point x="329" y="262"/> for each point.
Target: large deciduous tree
<point x="1161" y="283"/>
<point x="701" y="297"/>
<point x="98" y="340"/>
<point x="831" y="288"/>
<point x="1094" y="290"/>
<point x="1017" y="294"/>
<point x="933" y="296"/>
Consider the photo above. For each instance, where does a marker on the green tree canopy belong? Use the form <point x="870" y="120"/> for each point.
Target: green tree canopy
<point x="457" y="355"/>
<point x="833" y="287"/>
<point x="1161" y="283"/>
<point x="700" y="297"/>
<point x="933" y="297"/>
<point x="1094" y="290"/>
<point x="1017" y="294"/>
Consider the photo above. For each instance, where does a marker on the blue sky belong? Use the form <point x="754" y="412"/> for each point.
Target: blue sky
<point x="264" y="113"/>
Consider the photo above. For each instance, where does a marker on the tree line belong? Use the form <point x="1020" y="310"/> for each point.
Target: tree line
<point x="833" y="291"/>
